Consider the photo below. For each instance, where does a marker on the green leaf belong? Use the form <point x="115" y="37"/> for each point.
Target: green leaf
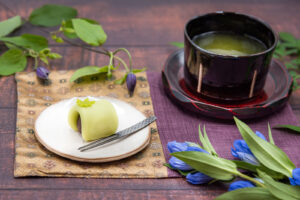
<point x="92" y="34"/>
<point x="293" y="74"/>
<point x="54" y="56"/>
<point x="290" y="45"/>
<point x="139" y="70"/>
<point x="281" y="50"/>
<point x="205" y="142"/>
<point x="35" y="42"/>
<point x="177" y="44"/>
<point x="253" y="168"/>
<point x="45" y="51"/>
<point x="105" y="69"/>
<point x="44" y="59"/>
<point x="266" y="153"/>
<point x="11" y="46"/>
<point x="88" y="71"/>
<point x="68" y="26"/>
<point x="270" y="135"/>
<point x="85" y="103"/>
<point x="202" y="140"/>
<point x="212" y="149"/>
<point x="255" y="193"/>
<point x="9" y="25"/>
<point x="91" y="21"/>
<point x="12" y="61"/>
<point x="212" y="166"/>
<point x="51" y="15"/>
<point x="296" y="61"/>
<point x="280" y="190"/>
<point x="295" y="79"/>
<point x="192" y="144"/>
<point x="291" y="51"/>
<point x="291" y="66"/>
<point x="288" y="37"/>
<point x="289" y="127"/>
<point x="59" y="40"/>
<point x="245" y="165"/>
<point x="121" y="80"/>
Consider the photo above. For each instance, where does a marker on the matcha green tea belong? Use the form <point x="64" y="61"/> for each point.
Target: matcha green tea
<point x="226" y="43"/>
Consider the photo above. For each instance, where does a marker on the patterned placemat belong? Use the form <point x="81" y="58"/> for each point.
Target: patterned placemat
<point x="32" y="159"/>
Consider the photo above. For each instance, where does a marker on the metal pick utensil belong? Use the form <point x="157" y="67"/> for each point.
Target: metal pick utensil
<point x="118" y="135"/>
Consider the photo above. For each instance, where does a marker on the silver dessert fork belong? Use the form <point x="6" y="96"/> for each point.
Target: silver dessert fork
<point x="120" y="134"/>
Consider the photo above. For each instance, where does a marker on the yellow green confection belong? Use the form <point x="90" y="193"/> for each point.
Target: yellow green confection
<point x="98" y="118"/>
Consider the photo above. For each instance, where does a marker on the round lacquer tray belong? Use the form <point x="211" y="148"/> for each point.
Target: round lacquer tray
<point x="274" y="96"/>
<point x="53" y="131"/>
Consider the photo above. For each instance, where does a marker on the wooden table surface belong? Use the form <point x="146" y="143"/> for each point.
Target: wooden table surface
<point x="145" y="28"/>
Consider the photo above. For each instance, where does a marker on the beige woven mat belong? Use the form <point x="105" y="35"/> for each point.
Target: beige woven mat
<point x="32" y="159"/>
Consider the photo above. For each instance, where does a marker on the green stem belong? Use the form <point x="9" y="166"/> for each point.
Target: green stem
<point x="55" y="32"/>
<point x="103" y="51"/>
<point x="35" y="62"/>
<point x="123" y="62"/>
<point x="111" y="57"/>
<point x="128" y="53"/>
<point x="251" y="179"/>
<point x="20" y="47"/>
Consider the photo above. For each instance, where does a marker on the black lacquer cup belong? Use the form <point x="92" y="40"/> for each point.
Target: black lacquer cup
<point x="221" y="77"/>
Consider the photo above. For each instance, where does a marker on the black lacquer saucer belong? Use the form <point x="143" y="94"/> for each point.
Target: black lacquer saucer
<point x="274" y="96"/>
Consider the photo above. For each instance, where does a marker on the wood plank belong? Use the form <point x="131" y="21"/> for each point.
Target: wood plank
<point x="147" y="28"/>
<point x="7" y="121"/>
<point x="8" y="182"/>
<point x="160" y="22"/>
<point x="108" y="194"/>
<point x="8" y="92"/>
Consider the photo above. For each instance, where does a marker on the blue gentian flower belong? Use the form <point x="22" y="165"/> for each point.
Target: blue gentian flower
<point x="131" y="82"/>
<point x="295" y="180"/>
<point x="192" y="148"/>
<point x="42" y="72"/>
<point x="259" y="134"/>
<point x="240" y="184"/>
<point x="179" y="164"/>
<point x="198" y="178"/>
<point x="177" y="146"/>
<point x="242" y="151"/>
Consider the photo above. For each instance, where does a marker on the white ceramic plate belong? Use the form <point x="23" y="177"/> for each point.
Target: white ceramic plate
<point x="53" y="131"/>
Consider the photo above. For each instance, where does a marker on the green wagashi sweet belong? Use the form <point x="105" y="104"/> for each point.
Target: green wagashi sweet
<point x="98" y="118"/>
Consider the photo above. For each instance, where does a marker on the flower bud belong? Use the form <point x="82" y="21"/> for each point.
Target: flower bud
<point x="242" y="151"/>
<point x="177" y="146"/>
<point x="239" y="185"/>
<point x="179" y="164"/>
<point x="42" y="72"/>
<point x="259" y="134"/>
<point x="198" y="178"/>
<point x="131" y="82"/>
<point x="295" y="180"/>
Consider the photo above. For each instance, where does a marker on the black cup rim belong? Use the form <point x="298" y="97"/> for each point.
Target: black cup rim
<point x="229" y="56"/>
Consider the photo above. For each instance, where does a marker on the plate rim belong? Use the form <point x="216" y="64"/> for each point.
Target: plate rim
<point x="92" y="160"/>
